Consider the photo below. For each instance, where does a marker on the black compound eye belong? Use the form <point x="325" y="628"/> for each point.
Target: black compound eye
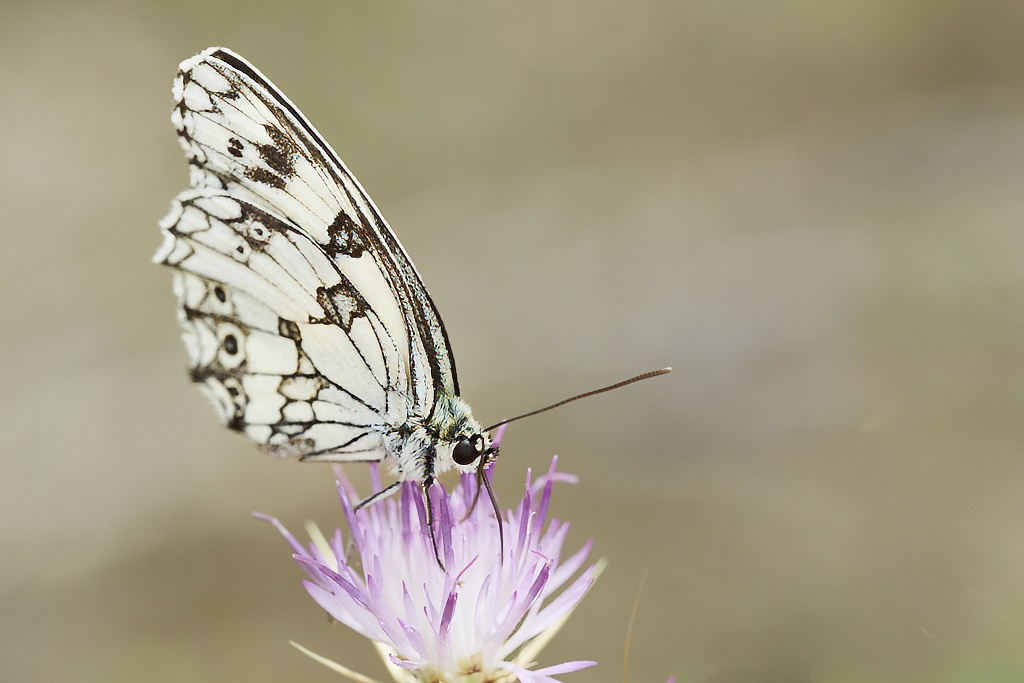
<point x="467" y="451"/>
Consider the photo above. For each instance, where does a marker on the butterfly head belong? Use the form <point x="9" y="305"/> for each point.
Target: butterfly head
<point x="472" y="451"/>
<point x="461" y="442"/>
<point x="475" y="449"/>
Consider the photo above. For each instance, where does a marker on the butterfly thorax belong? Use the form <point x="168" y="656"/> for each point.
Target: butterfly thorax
<point x="421" y="448"/>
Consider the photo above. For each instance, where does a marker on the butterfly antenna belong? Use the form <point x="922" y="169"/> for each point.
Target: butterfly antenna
<point x="618" y="385"/>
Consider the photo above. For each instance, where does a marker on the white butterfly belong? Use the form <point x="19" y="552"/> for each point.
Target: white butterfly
<point x="305" y="320"/>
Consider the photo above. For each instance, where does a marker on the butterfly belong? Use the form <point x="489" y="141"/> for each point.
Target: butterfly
<point x="305" y="321"/>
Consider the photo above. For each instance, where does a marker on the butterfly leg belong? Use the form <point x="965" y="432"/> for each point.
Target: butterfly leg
<point x="426" y="484"/>
<point x="383" y="493"/>
<point x="372" y="498"/>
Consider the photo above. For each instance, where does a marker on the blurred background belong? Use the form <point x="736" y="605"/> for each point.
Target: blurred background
<point x="811" y="210"/>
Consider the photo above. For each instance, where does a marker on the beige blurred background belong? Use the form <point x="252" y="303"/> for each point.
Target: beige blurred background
<point x="812" y="210"/>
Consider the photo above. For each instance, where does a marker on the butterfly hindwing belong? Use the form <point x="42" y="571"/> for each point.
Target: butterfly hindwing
<point x="282" y="358"/>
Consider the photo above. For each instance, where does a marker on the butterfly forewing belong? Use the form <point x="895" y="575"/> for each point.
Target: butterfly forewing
<point x="305" y="321"/>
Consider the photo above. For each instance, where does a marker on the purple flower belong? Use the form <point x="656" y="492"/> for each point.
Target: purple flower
<point x="484" y="619"/>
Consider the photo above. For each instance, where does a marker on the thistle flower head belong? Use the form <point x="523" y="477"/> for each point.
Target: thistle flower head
<point x="484" y="619"/>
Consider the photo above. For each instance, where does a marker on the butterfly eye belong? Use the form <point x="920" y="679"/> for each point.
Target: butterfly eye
<point x="467" y="450"/>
